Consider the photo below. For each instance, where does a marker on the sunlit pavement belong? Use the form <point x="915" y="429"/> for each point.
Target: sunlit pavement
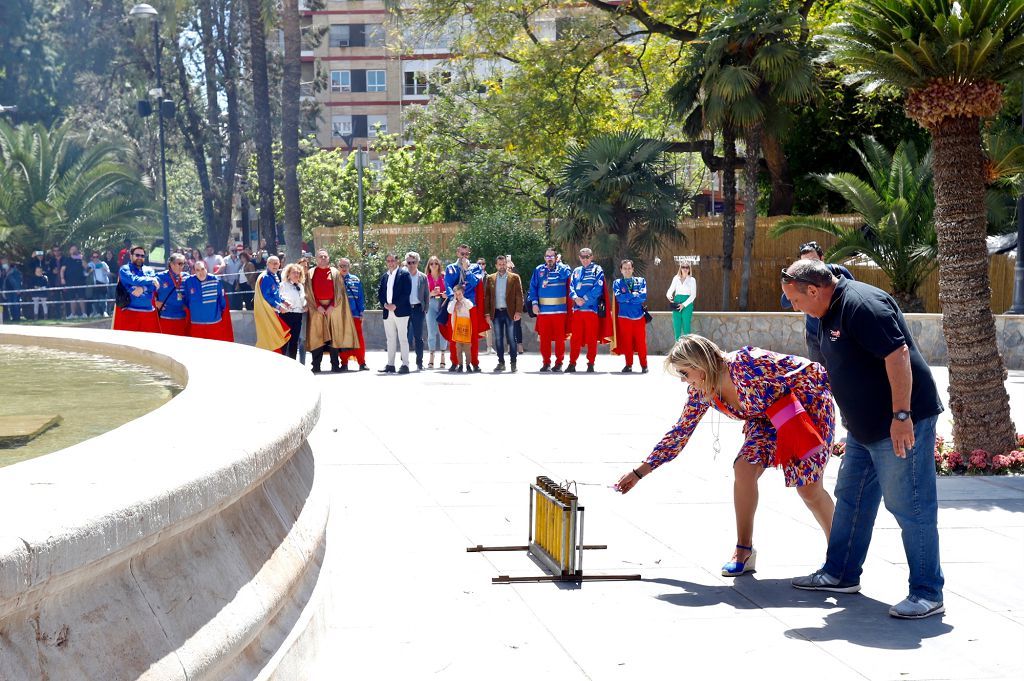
<point x="425" y="465"/>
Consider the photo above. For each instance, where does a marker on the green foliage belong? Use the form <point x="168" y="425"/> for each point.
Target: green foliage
<point x="56" y="189"/>
<point x="186" y="213"/>
<point x="897" y="204"/>
<point x="748" y="66"/>
<point x="820" y="133"/>
<point x="619" y="197"/>
<point x="910" y="44"/>
<point x="504" y="230"/>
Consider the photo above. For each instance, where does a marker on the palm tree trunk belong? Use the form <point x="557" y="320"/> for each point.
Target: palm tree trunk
<point x="290" y="86"/>
<point x="977" y="394"/>
<point x="261" y="111"/>
<point x="783" y="196"/>
<point x="729" y="212"/>
<point x="750" y="172"/>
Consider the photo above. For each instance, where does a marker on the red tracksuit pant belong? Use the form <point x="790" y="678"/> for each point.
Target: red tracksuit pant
<point x="633" y="338"/>
<point x="551" y="328"/>
<point x="360" y="354"/>
<point x="584" y="332"/>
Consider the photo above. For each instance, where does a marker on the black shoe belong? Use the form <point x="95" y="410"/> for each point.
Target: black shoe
<point x="336" y="370"/>
<point x="404" y="369"/>
<point x="501" y="367"/>
<point x="513" y="366"/>
<point x="557" y="369"/>
<point x="627" y="369"/>
<point x="462" y="369"/>
<point x="344" y="368"/>
<point x="315" y="370"/>
<point x="363" y="367"/>
<point x="643" y="370"/>
<point x="419" y="366"/>
<point x="389" y="369"/>
<point x="590" y="368"/>
<point x="475" y="368"/>
<point x="571" y="369"/>
<point x="453" y="368"/>
<point x="546" y="367"/>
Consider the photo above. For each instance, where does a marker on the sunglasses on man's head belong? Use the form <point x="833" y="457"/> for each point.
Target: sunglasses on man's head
<point x="787" y="277"/>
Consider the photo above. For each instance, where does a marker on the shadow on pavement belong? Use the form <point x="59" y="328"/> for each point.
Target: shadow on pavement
<point x="853" y="618"/>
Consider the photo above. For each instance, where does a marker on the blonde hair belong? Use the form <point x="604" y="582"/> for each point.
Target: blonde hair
<point x="293" y="267"/>
<point x="431" y="261"/>
<point x="697" y="352"/>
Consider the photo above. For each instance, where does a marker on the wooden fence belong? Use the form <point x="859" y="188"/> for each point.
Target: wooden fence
<point x="703" y="238"/>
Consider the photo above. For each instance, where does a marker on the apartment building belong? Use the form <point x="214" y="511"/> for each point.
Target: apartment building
<point x="371" y="75"/>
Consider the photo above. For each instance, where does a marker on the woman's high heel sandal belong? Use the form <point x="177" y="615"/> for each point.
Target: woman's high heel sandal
<point x="735" y="568"/>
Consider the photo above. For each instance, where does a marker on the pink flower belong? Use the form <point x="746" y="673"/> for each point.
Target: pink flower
<point x="1017" y="456"/>
<point x="1001" y="461"/>
<point x="1020" y="439"/>
<point x="955" y="459"/>
<point x="979" y="459"/>
<point x="940" y="441"/>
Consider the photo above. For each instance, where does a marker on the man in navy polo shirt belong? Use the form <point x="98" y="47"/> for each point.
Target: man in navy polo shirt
<point x="886" y="393"/>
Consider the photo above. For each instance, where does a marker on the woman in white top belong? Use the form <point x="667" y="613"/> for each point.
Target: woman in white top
<point x="681" y="294"/>
<point x="293" y="292"/>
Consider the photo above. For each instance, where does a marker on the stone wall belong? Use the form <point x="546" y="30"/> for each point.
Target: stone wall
<point x="780" y="331"/>
<point x="176" y="546"/>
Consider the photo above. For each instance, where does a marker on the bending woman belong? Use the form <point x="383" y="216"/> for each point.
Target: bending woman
<point x="749" y="384"/>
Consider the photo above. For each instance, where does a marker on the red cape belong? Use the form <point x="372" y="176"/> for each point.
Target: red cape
<point x="476" y="316"/>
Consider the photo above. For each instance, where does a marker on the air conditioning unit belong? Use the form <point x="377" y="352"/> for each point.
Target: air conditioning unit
<point x="342" y="43"/>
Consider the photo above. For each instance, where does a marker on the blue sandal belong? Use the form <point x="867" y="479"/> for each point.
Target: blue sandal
<point x="735" y="568"/>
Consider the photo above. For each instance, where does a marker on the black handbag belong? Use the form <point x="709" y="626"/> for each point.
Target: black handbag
<point x="647" y="316"/>
<point x="121" y="296"/>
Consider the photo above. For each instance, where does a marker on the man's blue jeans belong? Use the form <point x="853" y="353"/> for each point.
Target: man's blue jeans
<point x="416" y="319"/>
<point x="503" y="332"/>
<point x="871" y="473"/>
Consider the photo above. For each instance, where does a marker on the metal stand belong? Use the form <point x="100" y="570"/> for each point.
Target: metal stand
<point x="555" y="538"/>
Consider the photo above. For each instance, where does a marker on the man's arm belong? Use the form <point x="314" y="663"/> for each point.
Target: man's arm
<point x="901" y="382"/>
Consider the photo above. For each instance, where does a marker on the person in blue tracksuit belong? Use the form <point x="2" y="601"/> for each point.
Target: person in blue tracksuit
<point x="549" y="289"/>
<point x="170" y="298"/>
<point x="141" y="284"/>
<point x="630" y="298"/>
<point x="357" y="303"/>
<point x="206" y="303"/>
<point x="586" y="288"/>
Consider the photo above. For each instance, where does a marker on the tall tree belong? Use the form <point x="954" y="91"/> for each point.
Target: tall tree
<point x="951" y="59"/>
<point x="257" y="16"/>
<point x="290" y="91"/>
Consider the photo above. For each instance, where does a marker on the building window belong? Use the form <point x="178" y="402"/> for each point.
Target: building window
<point x="341" y="81"/>
<point x="376" y="81"/>
<point x="375" y="35"/>
<point x="341" y="126"/>
<point x="415" y="83"/>
<point x="339" y="35"/>
<point x="376" y="125"/>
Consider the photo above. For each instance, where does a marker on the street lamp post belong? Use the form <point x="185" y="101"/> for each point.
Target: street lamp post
<point x="360" y="162"/>
<point x="144" y="11"/>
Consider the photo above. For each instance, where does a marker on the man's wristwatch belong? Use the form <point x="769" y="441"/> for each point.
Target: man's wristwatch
<point x="902" y="415"/>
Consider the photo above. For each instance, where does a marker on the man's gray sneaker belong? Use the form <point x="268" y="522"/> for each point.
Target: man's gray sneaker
<point x="914" y="608"/>
<point x="822" y="581"/>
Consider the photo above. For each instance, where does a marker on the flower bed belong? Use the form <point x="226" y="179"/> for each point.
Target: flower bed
<point x="979" y="462"/>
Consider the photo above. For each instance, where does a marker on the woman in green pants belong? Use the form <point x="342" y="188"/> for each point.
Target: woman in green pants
<point x="681" y="295"/>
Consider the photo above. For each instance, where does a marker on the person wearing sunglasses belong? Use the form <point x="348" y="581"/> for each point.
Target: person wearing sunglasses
<point x="812" y="251"/>
<point x="890" y="405"/>
<point x="141" y="283"/>
<point x="418" y="301"/>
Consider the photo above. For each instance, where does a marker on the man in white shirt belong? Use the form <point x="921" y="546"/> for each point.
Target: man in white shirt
<point x="393" y="294"/>
<point x="213" y="261"/>
<point x="232" y="266"/>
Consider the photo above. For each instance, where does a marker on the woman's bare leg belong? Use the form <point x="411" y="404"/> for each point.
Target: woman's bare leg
<point x="820" y="503"/>
<point x="744" y="498"/>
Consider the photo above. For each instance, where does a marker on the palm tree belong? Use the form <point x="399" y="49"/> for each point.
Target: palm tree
<point x="897" y="205"/>
<point x="951" y="59"/>
<point x="749" y="67"/>
<point x="290" y="92"/>
<point x="56" y="190"/>
<point x="619" y="197"/>
<point x="257" y="12"/>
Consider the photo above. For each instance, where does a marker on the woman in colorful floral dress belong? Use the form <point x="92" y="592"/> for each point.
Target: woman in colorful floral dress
<point x="743" y="385"/>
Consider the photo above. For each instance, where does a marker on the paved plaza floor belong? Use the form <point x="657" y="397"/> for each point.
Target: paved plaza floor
<point x="423" y="466"/>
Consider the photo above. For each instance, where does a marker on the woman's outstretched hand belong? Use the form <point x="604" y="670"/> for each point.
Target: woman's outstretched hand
<point x="629" y="480"/>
